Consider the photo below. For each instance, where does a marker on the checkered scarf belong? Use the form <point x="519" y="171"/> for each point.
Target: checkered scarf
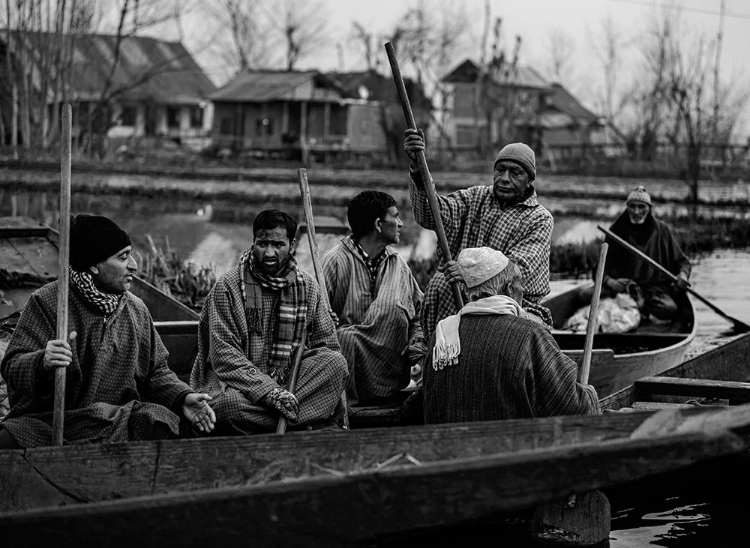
<point x="105" y="302"/>
<point x="290" y="311"/>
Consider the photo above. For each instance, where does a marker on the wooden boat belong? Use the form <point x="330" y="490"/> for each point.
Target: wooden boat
<point x="341" y="488"/>
<point x="340" y="509"/>
<point x="619" y="359"/>
<point x="29" y="259"/>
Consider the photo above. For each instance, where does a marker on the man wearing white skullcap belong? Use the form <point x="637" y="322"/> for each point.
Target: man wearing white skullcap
<point x="490" y="361"/>
<point x="624" y="270"/>
<point x="505" y="216"/>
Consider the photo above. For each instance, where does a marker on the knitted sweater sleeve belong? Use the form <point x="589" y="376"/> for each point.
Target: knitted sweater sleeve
<point x="552" y="378"/>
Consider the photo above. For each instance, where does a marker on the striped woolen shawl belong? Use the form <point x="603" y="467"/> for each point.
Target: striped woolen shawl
<point x="290" y="313"/>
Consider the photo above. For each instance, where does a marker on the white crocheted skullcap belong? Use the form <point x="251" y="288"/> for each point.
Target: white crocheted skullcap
<point x="479" y="264"/>
<point x="639" y="195"/>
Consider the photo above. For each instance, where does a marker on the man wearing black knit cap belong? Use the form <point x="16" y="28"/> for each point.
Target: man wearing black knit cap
<point x="118" y="386"/>
<point x="505" y="216"/>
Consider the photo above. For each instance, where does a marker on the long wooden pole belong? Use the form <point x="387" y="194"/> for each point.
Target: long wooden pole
<point x="429" y="186"/>
<point x="739" y="326"/>
<point x="58" y="416"/>
<point x="281" y="426"/>
<point x="588" y="347"/>
<point x="304" y="189"/>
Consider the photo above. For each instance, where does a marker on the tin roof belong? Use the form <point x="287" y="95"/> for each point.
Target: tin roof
<point x="146" y="69"/>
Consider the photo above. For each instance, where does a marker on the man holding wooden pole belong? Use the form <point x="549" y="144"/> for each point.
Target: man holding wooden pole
<point x="656" y="292"/>
<point x="252" y="325"/>
<point x="118" y="385"/>
<point x="505" y="216"/>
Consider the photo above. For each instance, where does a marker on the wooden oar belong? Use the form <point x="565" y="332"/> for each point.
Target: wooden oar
<point x="304" y="189"/>
<point x="739" y="326"/>
<point x="429" y="186"/>
<point x="281" y="426"/>
<point x="585" y="517"/>
<point x="591" y="327"/>
<point x="58" y="417"/>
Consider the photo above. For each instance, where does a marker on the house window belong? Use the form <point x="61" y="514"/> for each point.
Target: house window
<point x="267" y="122"/>
<point x="196" y="117"/>
<point x="467" y="135"/>
<point x="463" y="102"/>
<point x="128" y="115"/>
<point x="173" y="117"/>
<point x="227" y="126"/>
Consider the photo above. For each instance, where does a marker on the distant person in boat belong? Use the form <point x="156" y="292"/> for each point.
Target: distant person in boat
<point x="624" y="272"/>
<point x="490" y="361"/>
<point x="250" y="327"/>
<point x="505" y="216"/>
<point x="118" y="386"/>
<point x="377" y="300"/>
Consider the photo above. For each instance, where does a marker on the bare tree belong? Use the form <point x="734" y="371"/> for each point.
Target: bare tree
<point x="561" y="51"/>
<point x="303" y="26"/>
<point x="365" y="40"/>
<point x="239" y="34"/>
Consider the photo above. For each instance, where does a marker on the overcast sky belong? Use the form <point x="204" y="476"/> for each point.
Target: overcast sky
<point x="535" y="21"/>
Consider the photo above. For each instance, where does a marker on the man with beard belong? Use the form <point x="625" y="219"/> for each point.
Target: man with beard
<point x="118" y="385"/>
<point x="505" y="216"/>
<point x="376" y="298"/>
<point x="637" y="226"/>
<point x="250" y="327"/>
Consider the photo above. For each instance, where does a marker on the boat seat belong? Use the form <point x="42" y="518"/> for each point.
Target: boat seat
<point x="735" y="392"/>
<point x="657" y="405"/>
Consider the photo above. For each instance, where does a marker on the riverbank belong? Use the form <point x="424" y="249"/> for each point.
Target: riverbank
<point x="336" y="186"/>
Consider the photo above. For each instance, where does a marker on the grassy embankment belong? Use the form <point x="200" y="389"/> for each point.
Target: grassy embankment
<point x="190" y="283"/>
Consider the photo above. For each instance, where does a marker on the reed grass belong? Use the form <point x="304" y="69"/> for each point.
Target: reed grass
<point x="187" y="282"/>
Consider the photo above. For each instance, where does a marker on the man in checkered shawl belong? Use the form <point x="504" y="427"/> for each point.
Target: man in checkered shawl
<point x="505" y="216"/>
<point x="250" y="327"/>
<point x="118" y="385"/>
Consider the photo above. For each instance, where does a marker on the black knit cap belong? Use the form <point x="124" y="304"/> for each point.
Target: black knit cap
<point x="94" y="239"/>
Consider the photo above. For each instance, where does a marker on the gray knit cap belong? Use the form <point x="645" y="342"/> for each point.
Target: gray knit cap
<point x="639" y="195"/>
<point x="521" y="154"/>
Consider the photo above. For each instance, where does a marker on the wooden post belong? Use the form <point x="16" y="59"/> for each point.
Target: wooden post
<point x="424" y="171"/>
<point x="58" y="417"/>
<point x="304" y="188"/>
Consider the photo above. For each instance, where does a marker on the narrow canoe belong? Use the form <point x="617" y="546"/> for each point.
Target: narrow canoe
<point x="70" y="475"/>
<point x="344" y="508"/>
<point x="619" y="359"/>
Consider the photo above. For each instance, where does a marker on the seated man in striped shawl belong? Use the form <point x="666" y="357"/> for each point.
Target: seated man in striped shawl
<point x="490" y="361"/>
<point x="250" y="327"/>
<point x="118" y="385"/>
<point x="377" y="300"/>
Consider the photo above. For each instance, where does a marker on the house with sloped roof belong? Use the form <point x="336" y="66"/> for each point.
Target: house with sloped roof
<point x="302" y="113"/>
<point x="513" y="104"/>
<point x="131" y="86"/>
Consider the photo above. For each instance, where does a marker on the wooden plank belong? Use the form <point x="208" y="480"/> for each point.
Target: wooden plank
<point x="104" y="472"/>
<point x="656" y="406"/>
<point x="704" y="388"/>
<point x="340" y="511"/>
<point x="727" y="362"/>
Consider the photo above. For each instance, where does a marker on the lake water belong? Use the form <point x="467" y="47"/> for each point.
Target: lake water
<point x="186" y="227"/>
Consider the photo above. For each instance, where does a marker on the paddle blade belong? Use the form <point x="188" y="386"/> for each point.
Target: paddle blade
<point x="582" y="520"/>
